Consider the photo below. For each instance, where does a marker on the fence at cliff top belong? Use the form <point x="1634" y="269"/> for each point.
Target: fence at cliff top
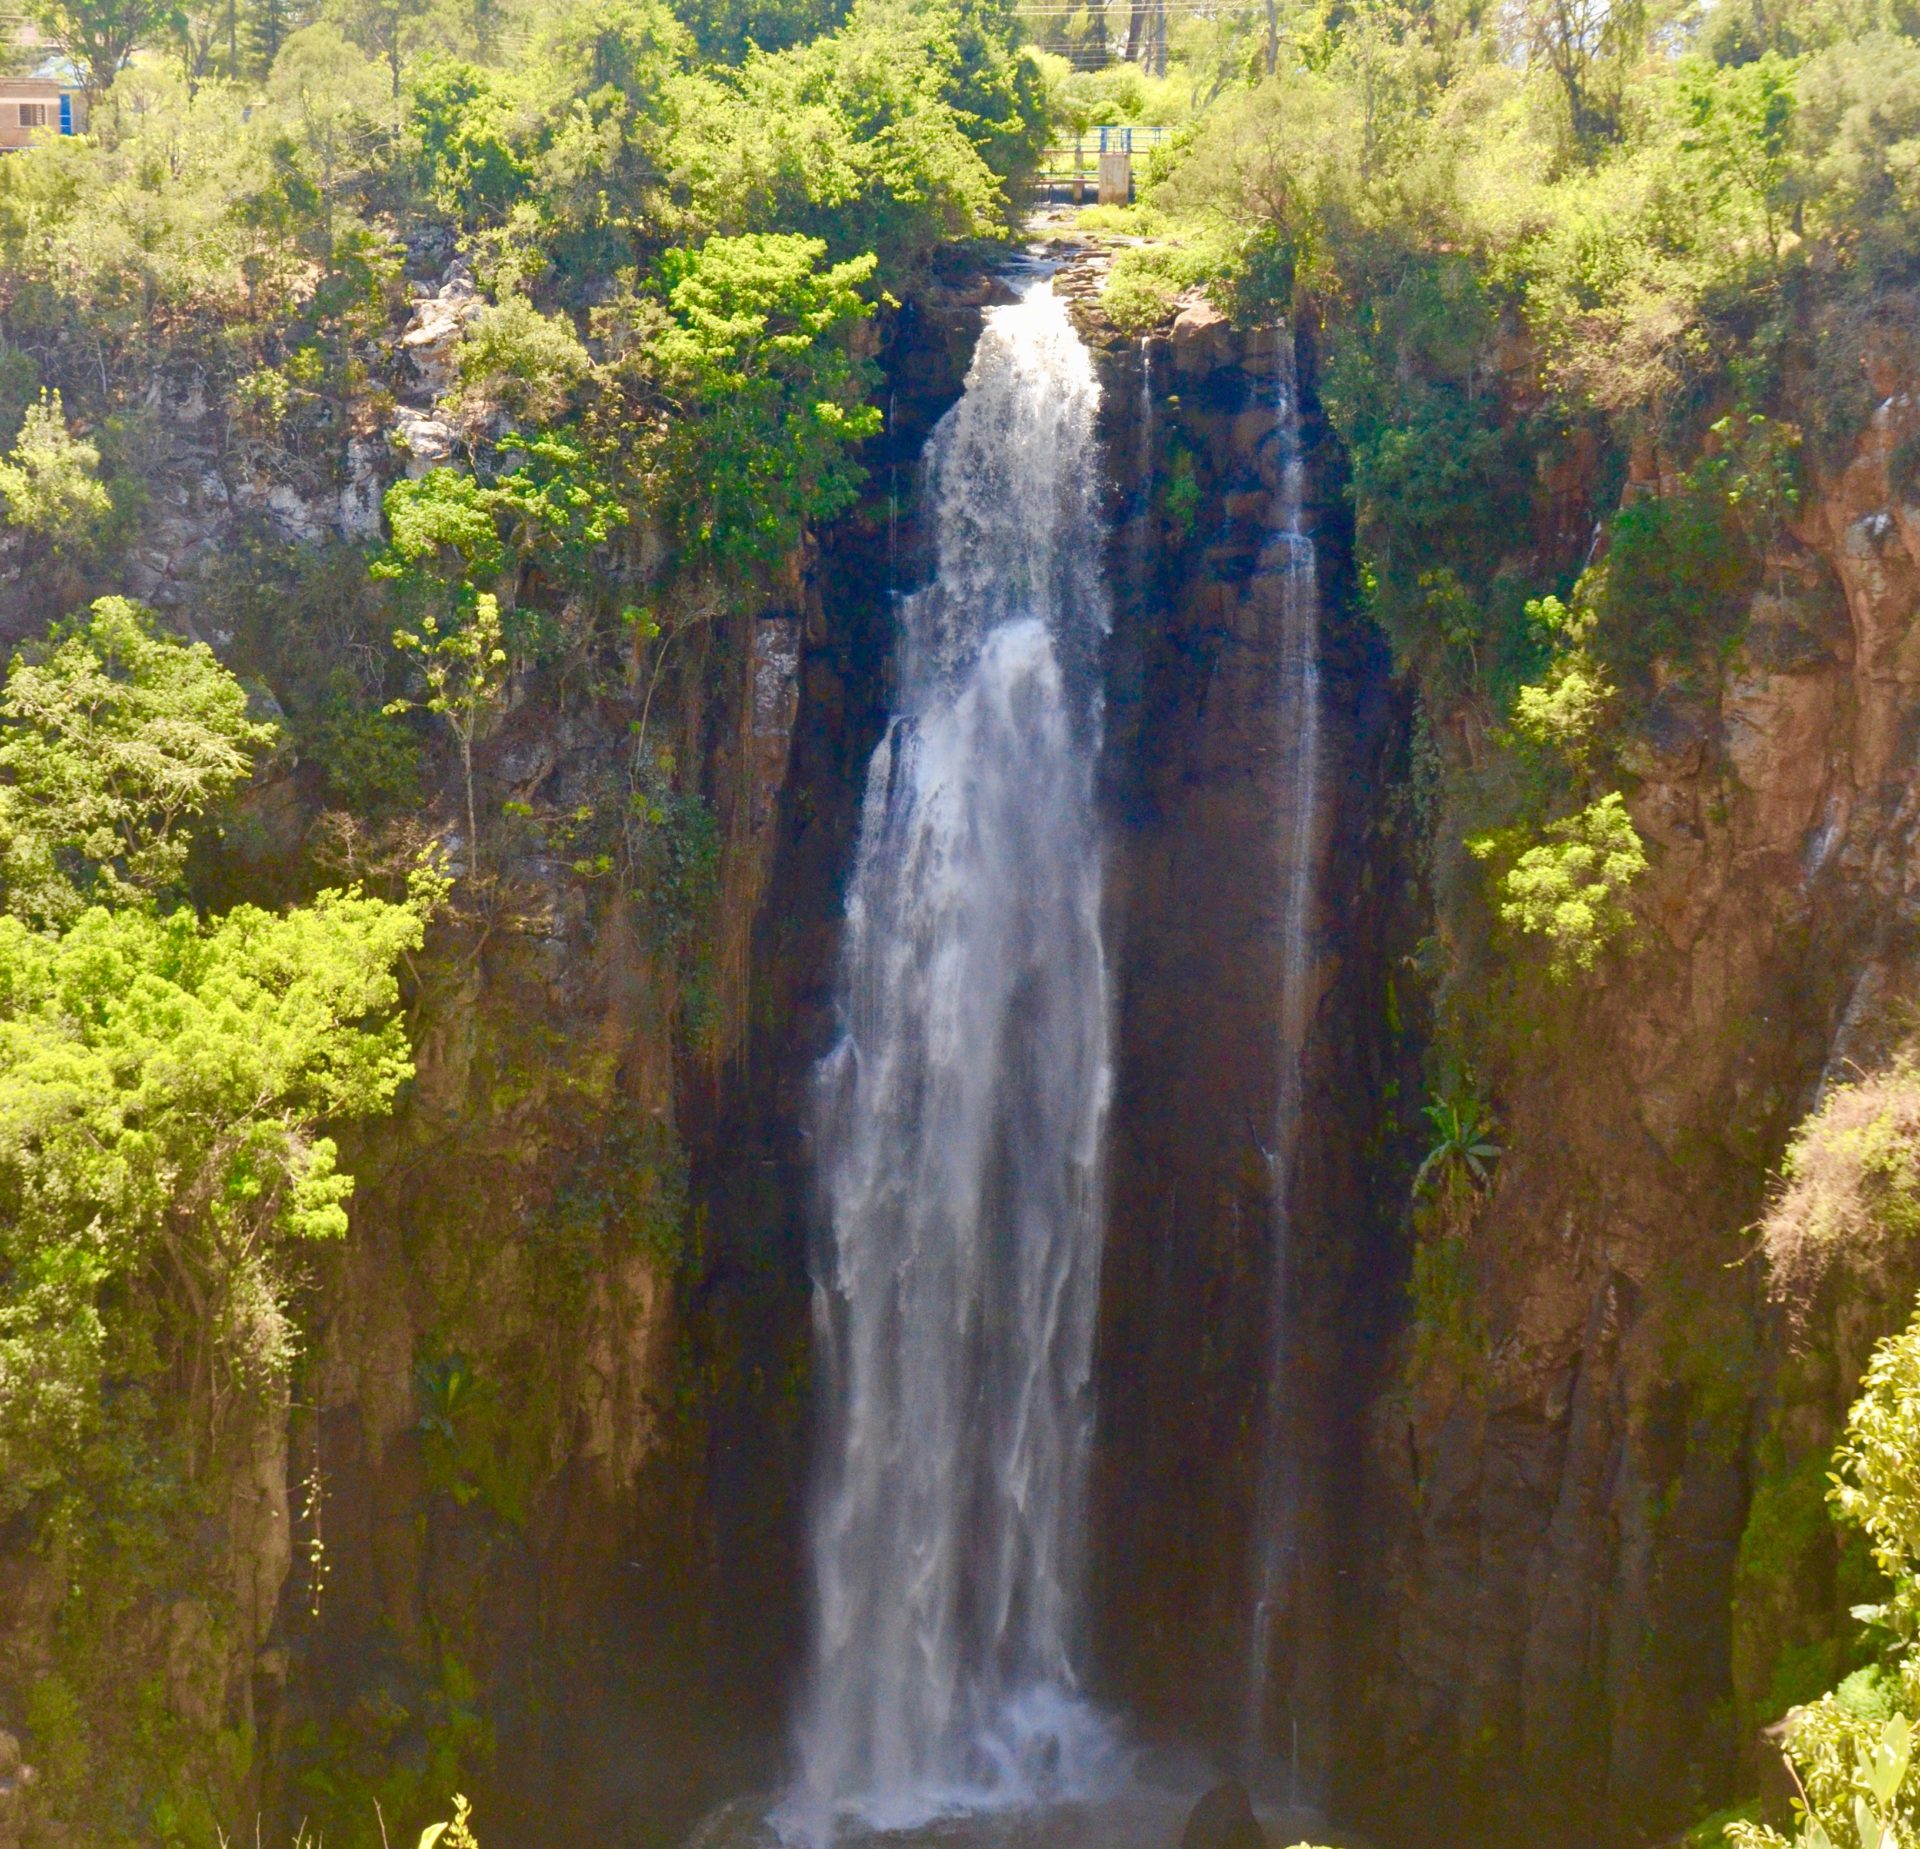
<point x="1096" y="164"/>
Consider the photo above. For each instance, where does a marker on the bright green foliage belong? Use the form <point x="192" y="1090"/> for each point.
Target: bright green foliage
<point x="1853" y="1749"/>
<point x="1858" y="129"/>
<point x="1571" y="890"/>
<point x="1853" y="1769"/>
<point x="559" y="503"/>
<point x="465" y="668"/>
<point x="331" y="102"/>
<point x="442" y="526"/>
<point x="192" y="216"/>
<point x="1740" y="130"/>
<point x="459" y="548"/>
<point x="1559" y="718"/>
<point x="169" y="1086"/>
<point x="454" y="536"/>
<point x="1877" y="1475"/>
<point x="1144" y="281"/>
<point x="161" y="1081"/>
<point x="50" y="480"/>
<point x="114" y="738"/>
<point x="885" y="137"/>
<point x="768" y="399"/>
<point x="469" y="124"/>
<point x="161" y="1088"/>
<point x="1562" y="714"/>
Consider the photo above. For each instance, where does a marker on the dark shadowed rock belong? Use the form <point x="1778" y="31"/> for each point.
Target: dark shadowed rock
<point x="1224" y="1819"/>
<point x="1780" y="1787"/>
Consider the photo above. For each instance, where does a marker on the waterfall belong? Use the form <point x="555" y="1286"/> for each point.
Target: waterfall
<point x="1298" y="720"/>
<point x="959" y="1133"/>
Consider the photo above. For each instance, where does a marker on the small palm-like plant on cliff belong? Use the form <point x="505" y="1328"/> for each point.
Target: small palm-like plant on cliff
<point x="1459" y="1165"/>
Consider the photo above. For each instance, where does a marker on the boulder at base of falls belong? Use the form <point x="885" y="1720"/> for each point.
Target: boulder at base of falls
<point x="1224" y="1819"/>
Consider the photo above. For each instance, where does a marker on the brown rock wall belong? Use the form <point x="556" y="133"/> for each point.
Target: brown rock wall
<point x="1565" y="1493"/>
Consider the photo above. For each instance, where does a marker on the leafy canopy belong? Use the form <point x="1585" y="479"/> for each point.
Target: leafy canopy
<point x="164" y="1080"/>
<point x="1570" y="890"/>
<point x="50" y="480"/>
<point x="767" y="396"/>
<point x="113" y="737"/>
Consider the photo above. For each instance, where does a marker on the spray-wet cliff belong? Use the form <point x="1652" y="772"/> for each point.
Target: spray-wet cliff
<point x="1211" y="816"/>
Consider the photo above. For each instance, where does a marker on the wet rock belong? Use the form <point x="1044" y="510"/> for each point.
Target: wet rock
<point x="1223" y="1819"/>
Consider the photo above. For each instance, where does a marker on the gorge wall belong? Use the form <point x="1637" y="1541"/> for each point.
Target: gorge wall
<point x="1560" y="1484"/>
<point x="532" y="1519"/>
<point x="1601" y="1554"/>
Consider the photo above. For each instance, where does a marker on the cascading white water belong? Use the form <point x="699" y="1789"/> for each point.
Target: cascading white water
<point x="959" y="1137"/>
<point x="1298" y="720"/>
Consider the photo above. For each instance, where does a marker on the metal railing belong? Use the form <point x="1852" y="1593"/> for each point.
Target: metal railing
<point x="1070" y="172"/>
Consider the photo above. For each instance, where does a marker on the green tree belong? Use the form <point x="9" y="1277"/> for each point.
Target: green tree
<point x="98" y="36"/>
<point x="465" y="668"/>
<point x="114" y="737"/>
<point x="1740" y="128"/>
<point x="50" y="480"/>
<point x="514" y="359"/>
<point x="1571" y="889"/>
<point x="1852" y="1750"/>
<point x="162" y="1088"/>
<point x="1588" y="45"/>
<point x="164" y="1081"/>
<point x="767" y="399"/>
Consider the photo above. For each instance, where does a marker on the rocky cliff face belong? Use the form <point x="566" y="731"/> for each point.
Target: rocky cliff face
<point x="1202" y="807"/>
<point x="604" y="1546"/>
<point x="1569" y="1639"/>
<point x="526" y="1523"/>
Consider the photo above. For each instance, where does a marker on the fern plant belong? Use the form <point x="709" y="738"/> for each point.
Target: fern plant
<point x="1459" y="1164"/>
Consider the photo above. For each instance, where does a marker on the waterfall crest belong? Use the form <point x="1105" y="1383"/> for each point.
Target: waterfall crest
<point x="1292" y="558"/>
<point x="959" y="1129"/>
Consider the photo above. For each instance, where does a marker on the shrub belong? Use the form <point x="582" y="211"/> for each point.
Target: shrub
<point x="1570" y="890"/>
<point x="512" y="358"/>
<point x="115" y="738"/>
<point x="50" y="480"/>
<point x="1852" y="1186"/>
